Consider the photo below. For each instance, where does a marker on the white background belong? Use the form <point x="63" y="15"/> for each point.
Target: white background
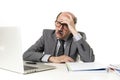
<point x="99" y="19"/>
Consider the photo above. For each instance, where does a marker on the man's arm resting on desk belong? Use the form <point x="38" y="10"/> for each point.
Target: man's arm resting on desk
<point x="35" y="52"/>
<point x="60" y="59"/>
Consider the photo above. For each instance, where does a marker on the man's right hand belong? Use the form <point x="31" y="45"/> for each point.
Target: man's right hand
<point x="60" y="59"/>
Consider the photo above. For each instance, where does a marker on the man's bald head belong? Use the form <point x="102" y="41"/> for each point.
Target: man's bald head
<point x="67" y="15"/>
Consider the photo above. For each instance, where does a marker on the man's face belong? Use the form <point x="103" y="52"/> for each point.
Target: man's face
<point x="62" y="30"/>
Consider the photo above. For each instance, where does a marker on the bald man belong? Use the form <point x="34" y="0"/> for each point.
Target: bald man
<point x="61" y="45"/>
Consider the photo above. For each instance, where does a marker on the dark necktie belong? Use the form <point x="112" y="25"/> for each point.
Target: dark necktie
<point x="61" y="48"/>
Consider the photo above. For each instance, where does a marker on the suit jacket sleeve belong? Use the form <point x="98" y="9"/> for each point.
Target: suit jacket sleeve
<point x="35" y="52"/>
<point x="84" y="50"/>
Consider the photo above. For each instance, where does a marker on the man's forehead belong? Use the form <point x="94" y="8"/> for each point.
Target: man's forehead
<point x="65" y="15"/>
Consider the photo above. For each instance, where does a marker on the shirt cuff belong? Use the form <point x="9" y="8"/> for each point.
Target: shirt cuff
<point x="45" y="58"/>
<point x="77" y="37"/>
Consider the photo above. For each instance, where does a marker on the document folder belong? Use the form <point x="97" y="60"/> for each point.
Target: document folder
<point x="76" y="66"/>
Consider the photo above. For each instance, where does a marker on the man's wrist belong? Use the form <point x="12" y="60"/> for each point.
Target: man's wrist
<point x="74" y="31"/>
<point x="49" y="59"/>
<point x="45" y="58"/>
<point x="77" y="37"/>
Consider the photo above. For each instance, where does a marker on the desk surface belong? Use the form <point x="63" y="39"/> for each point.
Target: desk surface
<point x="60" y="73"/>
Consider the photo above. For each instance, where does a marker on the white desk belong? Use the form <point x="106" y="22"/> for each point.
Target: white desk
<point x="60" y="73"/>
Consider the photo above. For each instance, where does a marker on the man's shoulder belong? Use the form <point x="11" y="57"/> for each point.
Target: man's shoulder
<point x="48" y="31"/>
<point x="83" y="35"/>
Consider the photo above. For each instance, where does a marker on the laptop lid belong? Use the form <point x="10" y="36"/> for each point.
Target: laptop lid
<point x="11" y="49"/>
<point x="11" y="52"/>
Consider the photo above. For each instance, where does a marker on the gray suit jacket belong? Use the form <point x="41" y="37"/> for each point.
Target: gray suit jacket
<point x="47" y="44"/>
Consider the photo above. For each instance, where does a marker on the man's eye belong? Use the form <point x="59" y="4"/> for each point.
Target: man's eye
<point x="65" y="25"/>
<point x="58" y="23"/>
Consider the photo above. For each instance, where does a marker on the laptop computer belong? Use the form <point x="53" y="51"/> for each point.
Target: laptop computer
<point x="11" y="53"/>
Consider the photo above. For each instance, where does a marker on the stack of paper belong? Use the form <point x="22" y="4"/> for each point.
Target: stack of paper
<point x="114" y="68"/>
<point x="76" y="66"/>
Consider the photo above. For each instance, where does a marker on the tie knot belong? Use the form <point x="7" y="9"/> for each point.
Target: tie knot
<point x="61" y="41"/>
